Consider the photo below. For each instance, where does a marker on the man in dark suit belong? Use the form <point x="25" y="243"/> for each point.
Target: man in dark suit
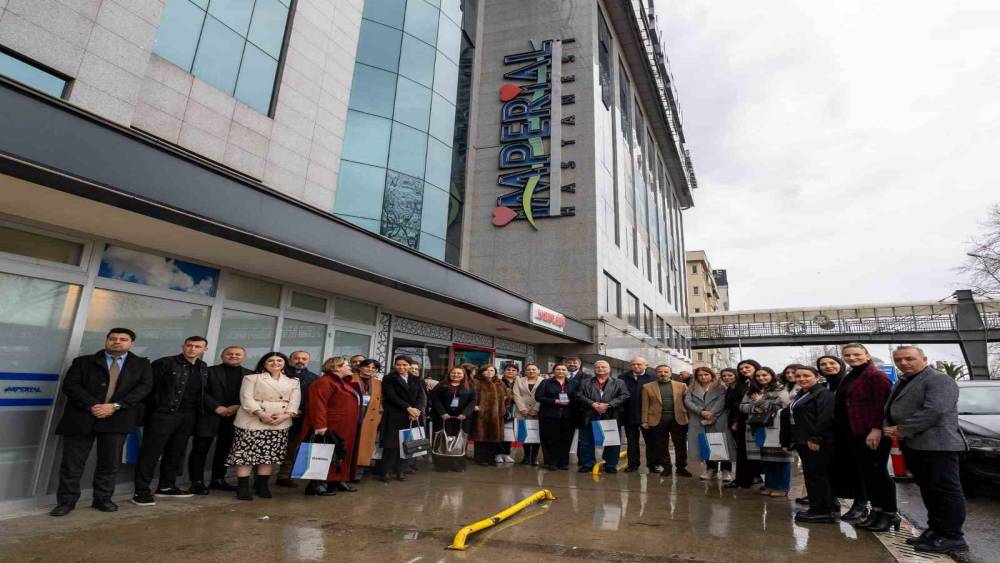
<point x="922" y="412"/>
<point x="104" y="394"/>
<point x="215" y="421"/>
<point x="576" y="372"/>
<point x="178" y="395"/>
<point x="638" y="374"/>
<point x="401" y="396"/>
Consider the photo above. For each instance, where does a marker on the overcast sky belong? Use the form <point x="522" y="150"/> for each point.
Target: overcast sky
<point x="845" y="151"/>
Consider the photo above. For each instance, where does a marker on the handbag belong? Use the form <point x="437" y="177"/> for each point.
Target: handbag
<point x="413" y="441"/>
<point x="450" y="446"/>
<point x="760" y="420"/>
<point x="313" y="460"/>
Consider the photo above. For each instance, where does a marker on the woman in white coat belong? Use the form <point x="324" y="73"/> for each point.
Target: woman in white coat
<point x="526" y="406"/>
<point x="269" y="399"/>
<point x="705" y="402"/>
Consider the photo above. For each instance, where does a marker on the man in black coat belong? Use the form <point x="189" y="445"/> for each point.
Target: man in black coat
<point x="215" y="421"/>
<point x="298" y="369"/>
<point x="104" y="394"/>
<point x="573" y="365"/>
<point x="638" y="374"/>
<point x="401" y="396"/>
<point x="172" y="408"/>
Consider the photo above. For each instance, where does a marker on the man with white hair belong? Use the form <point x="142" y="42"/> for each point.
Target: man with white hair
<point x="922" y="412"/>
<point x="638" y="374"/>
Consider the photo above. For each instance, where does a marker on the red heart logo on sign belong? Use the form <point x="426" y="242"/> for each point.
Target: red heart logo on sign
<point x="503" y="215"/>
<point x="509" y="92"/>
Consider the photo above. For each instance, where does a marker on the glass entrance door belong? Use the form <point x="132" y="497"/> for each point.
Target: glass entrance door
<point x="463" y="354"/>
<point x="433" y="358"/>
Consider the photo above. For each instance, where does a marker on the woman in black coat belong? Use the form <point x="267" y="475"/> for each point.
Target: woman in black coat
<point x="453" y="403"/>
<point x="556" y="422"/>
<point x="812" y="435"/>
<point x="401" y="394"/>
<point x="747" y="471"/>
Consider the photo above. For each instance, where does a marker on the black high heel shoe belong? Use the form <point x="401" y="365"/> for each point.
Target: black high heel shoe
<point x="872" y="518"/>
<point x="885" y="522"/>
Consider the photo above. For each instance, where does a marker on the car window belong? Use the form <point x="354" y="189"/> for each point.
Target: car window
<point x="979" y="400"/>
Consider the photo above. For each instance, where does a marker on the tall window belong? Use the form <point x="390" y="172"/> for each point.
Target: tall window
<point x="694" y="268"/>
<point x="632" y="309"/>
<point x="604" y="58"/>
<point x="234" y="45"/>
<point x="647" y="321"/>
<point x="695" y="290"/>
<point x="612" y="302"/>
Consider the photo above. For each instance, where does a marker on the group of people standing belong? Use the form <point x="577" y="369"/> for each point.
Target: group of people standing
<point x="839" y="417"/>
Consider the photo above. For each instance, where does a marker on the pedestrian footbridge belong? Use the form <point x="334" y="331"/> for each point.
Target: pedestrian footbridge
<point x="962" y="319"/>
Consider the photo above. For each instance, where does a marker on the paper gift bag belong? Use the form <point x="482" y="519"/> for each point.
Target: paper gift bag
<point x="713" y="446"/>
<point x="606" y="433"/>
<point x="313" y="461"/>
<point x="527" y="431"/>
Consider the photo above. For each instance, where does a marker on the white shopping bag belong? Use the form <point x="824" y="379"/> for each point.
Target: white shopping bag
<point x="313" y="461"/>
<point x="770" y="436"/>
<point x="713" y="446"/>
<point x="576" y="440"/>
<point x="527" y="431"/>
<point x="606" y="433"/>
<point x="509" y="435"/>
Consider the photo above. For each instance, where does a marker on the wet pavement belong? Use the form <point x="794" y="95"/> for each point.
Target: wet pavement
<point x="982" y="516"/>
<point x="623" y="517"/>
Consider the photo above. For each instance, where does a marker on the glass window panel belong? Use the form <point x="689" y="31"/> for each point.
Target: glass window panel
<point x="351" y="344"/>
<point x="31" y="75"/>
<point x="421" y="21"/>
<point x="203" y="4"/>
<point x="143" y="268"/>
<point x="388" y="12"/>
<point x="366" y="138"/>
<point x="373" y="225"/>
<point x="43" y="247"/>
<point x="234" y="13"/>
<point x="449" y="39"/>
<point x="177" y="36"/>
<point x="413" y="104"/>
<point x="36" y="317"/>
<point x="256" y="80"/>
<point x="308" y="302"/>
<point x="442" y="124"/>
<point x="359" y="190"/>
<point x="219" y="54"/>
<point x="431" y="245"/>
<point x="267" y="29"/>
<point x="249" y="330"/>
<point x="373" y="90"/>
<point x="438" y="164"/>
<point x="251" y="290"/>
<point x="378" y="45"/>
<point x="354" y="311"/>
<point x="452" y="9"/>
<point x="160" y="325"/>
<point x="446" y="78"/>
<point x="416" y="61"/>
<point x="407" y="150"/>
<point x="300" y="335"/>
<point x="434" y="215"/>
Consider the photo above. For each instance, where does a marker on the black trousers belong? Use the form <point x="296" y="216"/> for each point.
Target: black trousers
<point x="485" y="452"/>
<point x="666" y="431"/>
<point x="936" y="473"/>
<point x="746" y="470"/>
<point x="200" y="446"/>
<point x="845" y="474"/>
<point x="816" y="471"/>
<point x="556" y="435"/>
<point x="76" y="450"/>
<point x="389" y="464"/>
<point x="873" y="467"/>
<point x="504" y="448"/>
<point x="531" y="452"/>
<point x="632" y="433"/>
<point x="164" y="436"/>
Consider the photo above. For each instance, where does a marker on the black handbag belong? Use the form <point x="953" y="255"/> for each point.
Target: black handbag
<point x="758" y="420"/>
<point x="417" y="446"/>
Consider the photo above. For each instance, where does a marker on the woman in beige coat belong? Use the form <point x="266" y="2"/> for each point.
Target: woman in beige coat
<point x="527" y="406"/>
<point x="269" y="399"/>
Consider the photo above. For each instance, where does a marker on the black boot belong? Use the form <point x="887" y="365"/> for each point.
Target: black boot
<point x="885" y="522"/>
<point x="260" y="486"/>
<point x="857" y="513"/>
<point x="243" y="488"/>
<point x="319" y="489"/>
<point x="872" y="518"/>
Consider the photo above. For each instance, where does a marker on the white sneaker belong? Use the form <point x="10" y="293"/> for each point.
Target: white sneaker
<point x="499" y="459"/>
<point x="508" y="458"/>
<point x="727" y="476"/>
<point x="705" y="476"/>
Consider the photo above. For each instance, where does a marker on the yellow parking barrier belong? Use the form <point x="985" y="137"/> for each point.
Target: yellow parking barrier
<point x="460" y="537"/>
<point x="597" y="467"/>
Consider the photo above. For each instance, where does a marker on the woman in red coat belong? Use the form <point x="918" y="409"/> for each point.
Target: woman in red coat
<point x="334" y="406"/>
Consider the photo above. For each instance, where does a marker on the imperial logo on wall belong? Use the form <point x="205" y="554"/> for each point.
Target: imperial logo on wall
<point x="530" y="136"/>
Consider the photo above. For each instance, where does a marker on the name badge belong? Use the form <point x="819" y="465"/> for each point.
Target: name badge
<point x="563" y="398"/>
<point x="365" y="399"/>
<point x="454" y="402"/>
